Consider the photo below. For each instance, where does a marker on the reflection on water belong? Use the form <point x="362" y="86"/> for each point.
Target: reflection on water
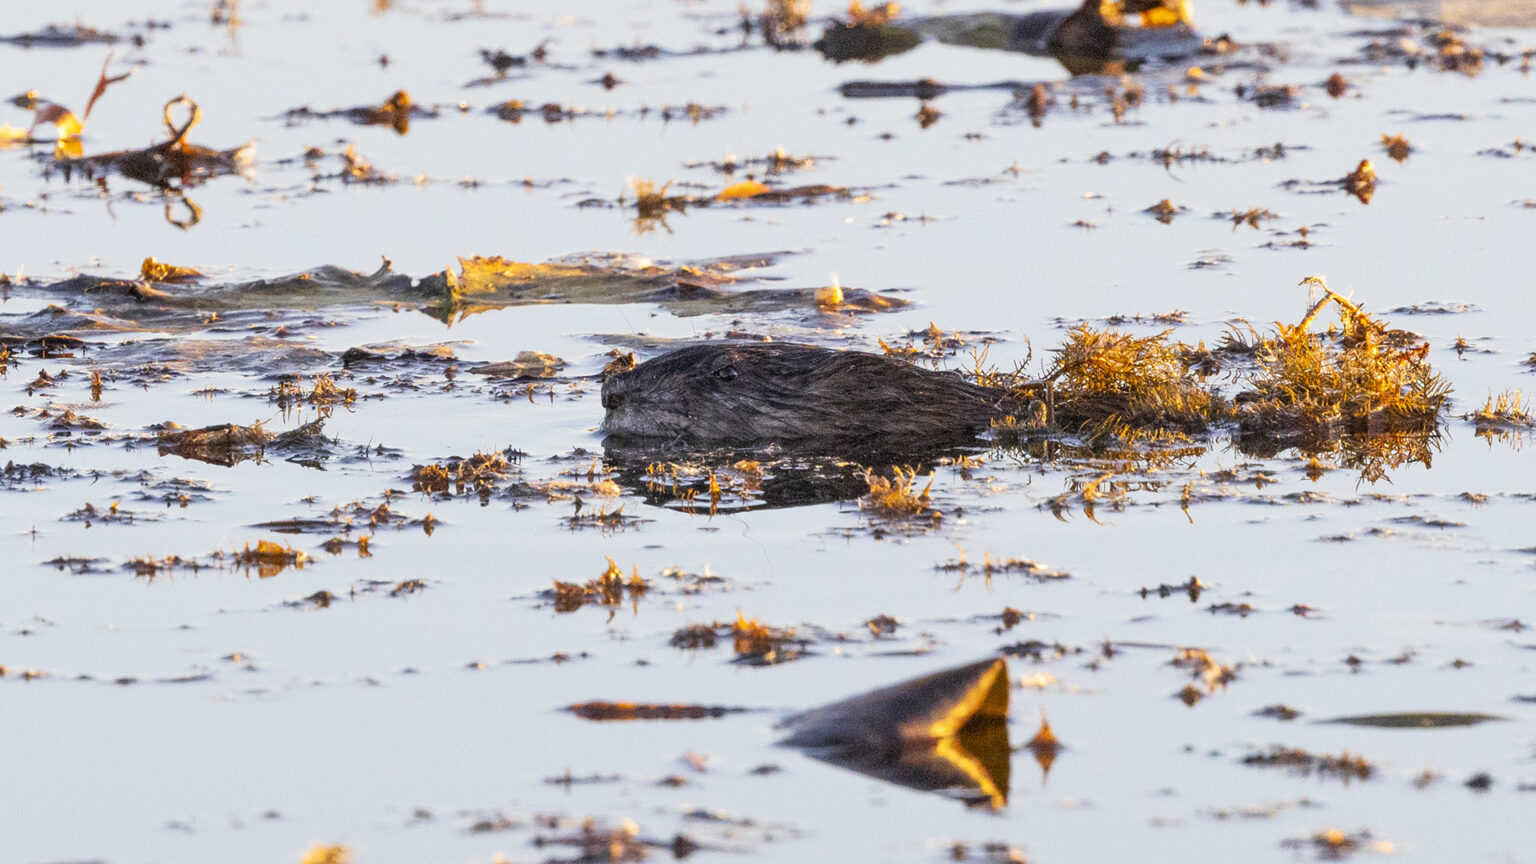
<point x="943" y="732"/>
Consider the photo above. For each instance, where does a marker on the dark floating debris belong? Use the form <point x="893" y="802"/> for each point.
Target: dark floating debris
<point x="1333" y="844"/>
<point x="1038" y="651"/>
<point x="609" y="589"/>
<point x="622" y="843"/>
<point x="480" y="284"/>
<point x="1416" y="720"/>
<point x="172" y="165"/>
<point x="395" y="112"/>
<point x="1479" y="782"/>
<point x="1164" y="211"/>
<point x="604" y="711"/>
<point x="944" y="732"/>
<point x="223" y="444"/>
<point x="1204" y="669"/>
<point x="1278" y="712"/>
<point x="56" y="36"/>
<point x="1397" y="147"/>
<point x="1344" y="766"/>
<point x="1192" y="588"/>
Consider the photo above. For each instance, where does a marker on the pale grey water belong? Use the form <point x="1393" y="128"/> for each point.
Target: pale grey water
<point x="351" y="719"/>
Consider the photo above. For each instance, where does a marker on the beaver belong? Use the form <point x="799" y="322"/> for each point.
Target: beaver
<point x="776" y="391"/>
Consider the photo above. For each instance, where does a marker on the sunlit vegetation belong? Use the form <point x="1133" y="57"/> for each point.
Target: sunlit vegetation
<point x="1130" y="387"/>
<point x="1504" y="415"/>
<point x="1360" y="388"/>
<point x="158" y="271"/>
<point x="327" y="854"/>
<point x="1361" y="182"/>
<point x="324" y="392"/>
<point x="479" y="474"/>
<point x="1210" y="676"/>
<point x="268" y="558"/>
<point x="756" y="643"/>
<point x="1397" y="147"/>
<point x="653" y="203"/>
<point x="898" y="496"/>
<point x="611" y="588"/>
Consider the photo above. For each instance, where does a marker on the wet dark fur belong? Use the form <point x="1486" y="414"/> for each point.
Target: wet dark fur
<point x="767" y="392"/>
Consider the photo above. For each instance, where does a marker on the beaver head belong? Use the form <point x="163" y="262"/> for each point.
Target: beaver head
<point x="765" y="392"/>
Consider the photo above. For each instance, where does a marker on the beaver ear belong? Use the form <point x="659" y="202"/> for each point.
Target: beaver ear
<point x="725" y="373"/>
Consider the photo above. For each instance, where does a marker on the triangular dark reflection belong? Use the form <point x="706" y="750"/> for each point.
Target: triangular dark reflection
<point x="945" y="732"/>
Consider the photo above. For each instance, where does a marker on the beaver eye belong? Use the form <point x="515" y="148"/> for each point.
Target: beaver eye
<point x="725" y="373"/>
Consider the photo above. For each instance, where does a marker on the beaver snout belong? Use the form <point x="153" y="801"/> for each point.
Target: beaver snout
<point x="612" y="400"/>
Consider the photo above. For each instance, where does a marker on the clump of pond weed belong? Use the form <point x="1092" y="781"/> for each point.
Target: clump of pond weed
<point x="325" y="392"/>
<point x="652" y="204"/>
<point x="990" y="567"/>
<point x="1359" y="389"/>
<point x="1132" y="388"/>
<point x="1205" y="669"/>
<point x="1332" y="844"/>
<point x="1344" y="766"/>
<point x="608" y="589"/>
<point x="757" y="644"/>
<point x="602" y="519"/>
<point x="897" y="496"/>
<point x="479" y="473"/>
<point x="269" y="558"/>
<point x="1502" y="414"/>
<point x="222" y="444"/>
<point x="1359" y="378"/>
<point x="1107" y="385"/>
<point x="753" y="642"/>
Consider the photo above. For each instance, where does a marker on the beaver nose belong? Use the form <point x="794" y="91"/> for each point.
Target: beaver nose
<point x="612" y="400"/>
